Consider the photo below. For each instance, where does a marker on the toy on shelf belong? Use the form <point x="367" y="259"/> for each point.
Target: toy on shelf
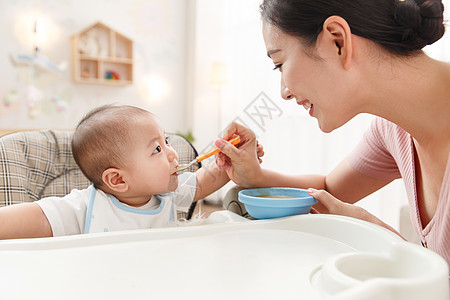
<point x="111" y="75"/>
<point x="89" y="44"/>
<point x="86" y="73"/>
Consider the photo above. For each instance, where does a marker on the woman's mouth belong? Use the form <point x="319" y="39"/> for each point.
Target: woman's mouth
<point x="307" y="105"/>
<point x="311" y="109"/>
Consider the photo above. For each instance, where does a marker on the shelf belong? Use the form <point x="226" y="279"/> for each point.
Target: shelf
<point x="107" y="59"/>
<point x="106" y="81"/>
<point x="102" y="56"/>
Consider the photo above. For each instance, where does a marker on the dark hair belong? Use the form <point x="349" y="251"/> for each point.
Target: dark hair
<point x="402" y="27"/>
<point x="102" y="138"/>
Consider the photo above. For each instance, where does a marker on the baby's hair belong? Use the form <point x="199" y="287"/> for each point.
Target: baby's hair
<point x="402" y="27"/>
<point x="102" y="138"/>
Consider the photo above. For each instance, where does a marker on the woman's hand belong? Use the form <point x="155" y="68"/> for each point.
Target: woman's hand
<point x="242" y="163"/>
<point x="259" y="151"/>
<point x="335" y="206"/>
<point x="331" y="205"/>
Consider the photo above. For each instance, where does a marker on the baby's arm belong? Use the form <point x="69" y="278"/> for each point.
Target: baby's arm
<point x="25" y="220"/>
<point x="209" y="180"/>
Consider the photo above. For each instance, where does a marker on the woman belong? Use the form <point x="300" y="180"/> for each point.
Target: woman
<point x="339" y="58"/>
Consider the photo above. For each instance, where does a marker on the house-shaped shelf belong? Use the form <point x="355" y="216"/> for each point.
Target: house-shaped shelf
<point x="101" y="55"/>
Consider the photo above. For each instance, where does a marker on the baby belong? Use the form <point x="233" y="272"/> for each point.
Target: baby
<point x="124" y="152"/>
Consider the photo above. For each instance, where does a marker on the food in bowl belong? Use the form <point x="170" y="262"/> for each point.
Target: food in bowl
<point x="275" y="196"/>
<point x="275" y="202"/>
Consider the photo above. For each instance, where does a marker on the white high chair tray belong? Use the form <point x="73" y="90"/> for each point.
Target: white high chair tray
<point x="299" y="257"/>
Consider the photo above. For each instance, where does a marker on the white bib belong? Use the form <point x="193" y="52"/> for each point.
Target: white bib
<point x="105" y="213"/>
<point x="92" y="210"/>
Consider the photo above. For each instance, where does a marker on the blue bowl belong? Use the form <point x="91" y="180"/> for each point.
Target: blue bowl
<point x="269" y="203"/>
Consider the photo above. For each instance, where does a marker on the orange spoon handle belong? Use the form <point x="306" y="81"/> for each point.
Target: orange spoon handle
<point x="233" y="141"/>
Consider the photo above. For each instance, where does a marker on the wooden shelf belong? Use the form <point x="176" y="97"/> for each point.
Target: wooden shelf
<point x="107" y="59"/>
<point x="100" y="55"/>
<point x="106" y="81"/>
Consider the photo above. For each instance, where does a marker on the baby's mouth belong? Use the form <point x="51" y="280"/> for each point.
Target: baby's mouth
<point x="174" y="170"/>
<point x="307" y="105"/>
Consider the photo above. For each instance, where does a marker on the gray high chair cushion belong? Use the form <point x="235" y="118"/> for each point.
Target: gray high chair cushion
<point x="38" y="164"/>
<point x="231" y="202"/>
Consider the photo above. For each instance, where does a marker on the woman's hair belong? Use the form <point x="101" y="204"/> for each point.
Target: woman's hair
<point x="402" y="27"/>
<point x="102" y="139"/>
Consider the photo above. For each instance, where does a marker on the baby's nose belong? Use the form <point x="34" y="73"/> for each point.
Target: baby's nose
<point x="172" y="155"/>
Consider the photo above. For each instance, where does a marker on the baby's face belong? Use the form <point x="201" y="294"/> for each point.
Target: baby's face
<point x="151" y="158"/>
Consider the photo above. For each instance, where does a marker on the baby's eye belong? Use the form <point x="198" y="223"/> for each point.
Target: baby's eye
<point x="157" y="150"/>
<point x="167" y="140"/>
<point x="277" y="67"/>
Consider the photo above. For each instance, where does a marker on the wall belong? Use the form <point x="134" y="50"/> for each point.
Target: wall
<point x="157" y="27"/>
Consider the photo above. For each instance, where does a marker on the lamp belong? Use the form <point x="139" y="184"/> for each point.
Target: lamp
<point x="153" y="88"/>
<point x="36" y="30"/>
<point x="218" y="78"/>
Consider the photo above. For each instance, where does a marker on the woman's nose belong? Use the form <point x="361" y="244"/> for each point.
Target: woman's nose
<point x="285" y="92"/>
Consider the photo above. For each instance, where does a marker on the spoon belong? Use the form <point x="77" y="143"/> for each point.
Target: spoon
<point x="233" y="141"/>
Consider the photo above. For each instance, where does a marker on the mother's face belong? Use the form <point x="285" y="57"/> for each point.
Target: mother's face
<point x="312" y="76"/>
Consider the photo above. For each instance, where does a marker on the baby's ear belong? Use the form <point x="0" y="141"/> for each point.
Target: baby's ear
<point x="114" y="180"/>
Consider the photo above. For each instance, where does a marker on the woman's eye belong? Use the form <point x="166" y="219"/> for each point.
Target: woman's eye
<point x="157" y="150"/>
<point x="277" y="67"/>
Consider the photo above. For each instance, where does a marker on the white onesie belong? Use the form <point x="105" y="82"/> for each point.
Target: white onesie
<point x="92" y="210"/>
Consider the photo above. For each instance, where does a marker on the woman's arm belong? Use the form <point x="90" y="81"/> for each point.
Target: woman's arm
<point x="350" y="185"/>
<point x="344" y="182"/>
<point x="242" y="163"/>
<point x="25" y="220"/>
<point x="242" y="166"/>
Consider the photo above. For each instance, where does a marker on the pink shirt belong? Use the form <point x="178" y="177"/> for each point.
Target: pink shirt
<point x="387" y="152"/>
